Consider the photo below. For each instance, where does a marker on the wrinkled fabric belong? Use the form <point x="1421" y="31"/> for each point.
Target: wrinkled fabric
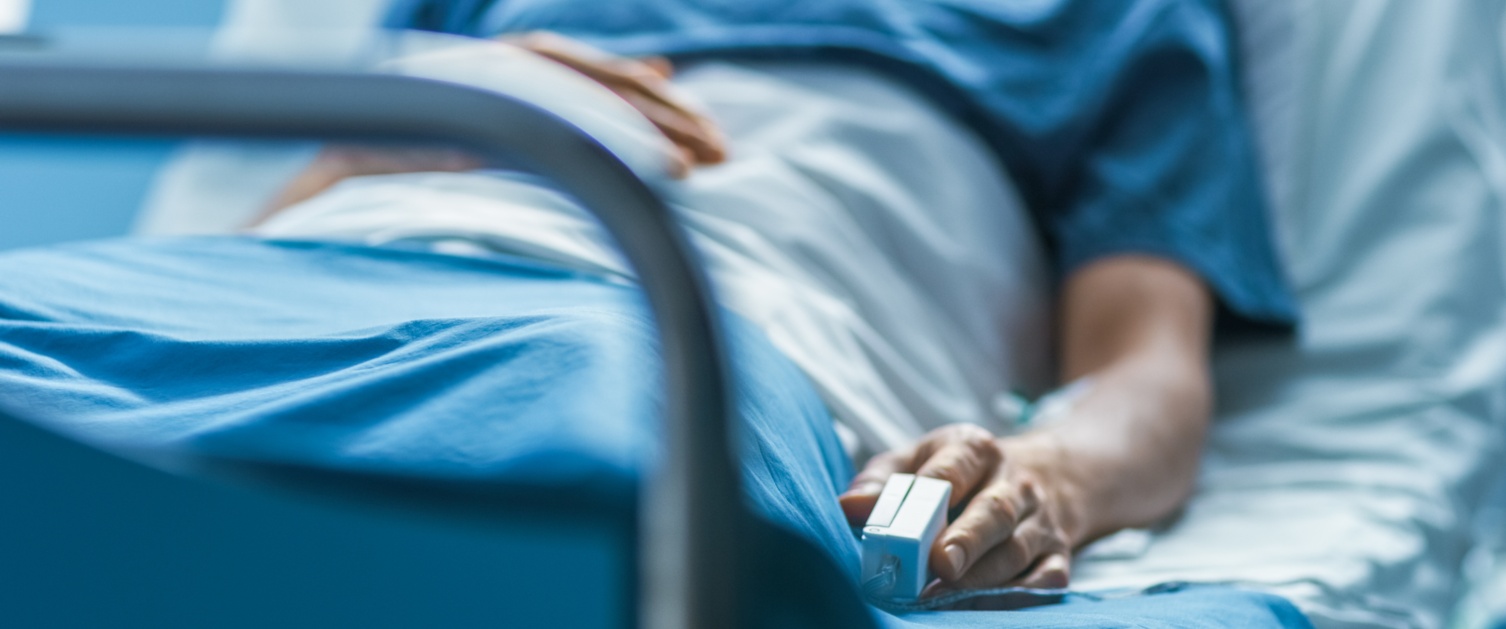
<point x="872" y="238"/>
<point x="390" y="360"/>
<point x="441" y="366"/>
<point x="1204" y="607"/>
<point x="1344" y="470"/>
<point x="1120" y="121"/>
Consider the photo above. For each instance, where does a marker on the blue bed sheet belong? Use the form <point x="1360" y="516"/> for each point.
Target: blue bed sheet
<point x="409" y="362"/>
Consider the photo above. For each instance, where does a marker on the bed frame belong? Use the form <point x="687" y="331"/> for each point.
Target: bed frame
<point x="83" y="524"/>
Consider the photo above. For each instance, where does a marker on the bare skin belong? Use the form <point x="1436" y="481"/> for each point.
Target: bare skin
<point x="1125" y="455"/>
<point x="644" y="84"/>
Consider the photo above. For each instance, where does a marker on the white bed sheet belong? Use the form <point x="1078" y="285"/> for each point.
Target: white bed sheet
<point x="1345" y="468"/>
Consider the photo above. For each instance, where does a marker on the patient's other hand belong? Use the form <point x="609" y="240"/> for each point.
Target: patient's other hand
<point x="1016" y="526"/>
<point x="643" y="83"/>
<point x="340" y="162"/>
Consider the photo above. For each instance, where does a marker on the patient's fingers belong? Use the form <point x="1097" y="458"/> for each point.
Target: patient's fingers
<point x="1051" y="572"/>
<point x="865" y="488"/>
<point x="963" y="455"/>
<point x="660" y="65"/>
<point x="990" y="519"/>
<point x="680" y="122"/>
<point x="701" y="141"/>
<point x="644" y="84"/>
<point x="1054" y="572"/>
<point x="1007" y="561"/>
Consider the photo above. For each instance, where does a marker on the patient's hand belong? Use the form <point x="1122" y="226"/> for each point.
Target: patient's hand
<point x="1020" y="504"/>
<point x="337" y="163"/>
<point x="1125" y="454"/>
<point x="643" y="83"/>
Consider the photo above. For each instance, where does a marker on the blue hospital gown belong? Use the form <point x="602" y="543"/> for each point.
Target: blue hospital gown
<point x="1120" y="122"/>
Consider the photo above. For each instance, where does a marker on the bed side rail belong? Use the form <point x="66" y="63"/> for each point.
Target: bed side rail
<point x="687" y="568"/>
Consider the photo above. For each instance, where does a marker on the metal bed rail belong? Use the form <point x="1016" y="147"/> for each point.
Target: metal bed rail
<point x="692" y="505"/>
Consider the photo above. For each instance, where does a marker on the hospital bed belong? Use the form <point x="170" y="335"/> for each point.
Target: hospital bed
<point x="104" y="541"/>
<point x="693" y="574"/>
<point x="1347" y="467"/>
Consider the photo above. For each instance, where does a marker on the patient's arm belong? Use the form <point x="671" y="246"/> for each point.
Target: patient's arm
<point x="643" y="83"/>
<point x="337" y="163"/>
<point x="1126" y="454"/>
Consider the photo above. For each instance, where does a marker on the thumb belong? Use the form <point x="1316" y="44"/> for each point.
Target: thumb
<point x="857" y="502"/>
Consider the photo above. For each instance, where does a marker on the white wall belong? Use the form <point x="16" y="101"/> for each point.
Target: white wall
<point x="13" y="14"/>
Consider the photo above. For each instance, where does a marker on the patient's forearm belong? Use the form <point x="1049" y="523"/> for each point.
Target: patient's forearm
<point x="338" y="163"/>
<point x="319" y="176"/>
<point x="1125" y="455"/>
<point x="1131" y="446"/>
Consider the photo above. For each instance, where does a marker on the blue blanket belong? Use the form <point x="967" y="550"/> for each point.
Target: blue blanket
<point x="409" y="362"/>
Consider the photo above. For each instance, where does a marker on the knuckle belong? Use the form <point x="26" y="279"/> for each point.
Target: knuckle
<point x="1055" y="541"/>
<point x="1029" y="489"/>
<point x="978" y="442"/>
<point x="970" y="434"/>
<point x="925" y="448"/>
<point x="998" y="508"/>
<point x="1019" y="554"/>
<point x="949" y="472"/>
<point x="989" y="453"/>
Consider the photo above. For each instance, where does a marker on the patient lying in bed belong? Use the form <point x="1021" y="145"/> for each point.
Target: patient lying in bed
<point x="882" y="246"/>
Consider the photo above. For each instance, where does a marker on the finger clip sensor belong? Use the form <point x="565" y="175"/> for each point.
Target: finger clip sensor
<point x="897" y="539"/>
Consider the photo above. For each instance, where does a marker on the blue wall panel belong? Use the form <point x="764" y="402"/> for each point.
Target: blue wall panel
<point x="53" y="190"/>
<point x="47" y="13"/>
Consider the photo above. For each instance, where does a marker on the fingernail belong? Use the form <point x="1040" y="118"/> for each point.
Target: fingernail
<point x="956" y="556"/>
<point x="867" y="488"/>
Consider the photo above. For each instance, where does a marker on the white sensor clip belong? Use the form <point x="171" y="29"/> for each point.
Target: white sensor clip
<point x="897" y="539"/>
